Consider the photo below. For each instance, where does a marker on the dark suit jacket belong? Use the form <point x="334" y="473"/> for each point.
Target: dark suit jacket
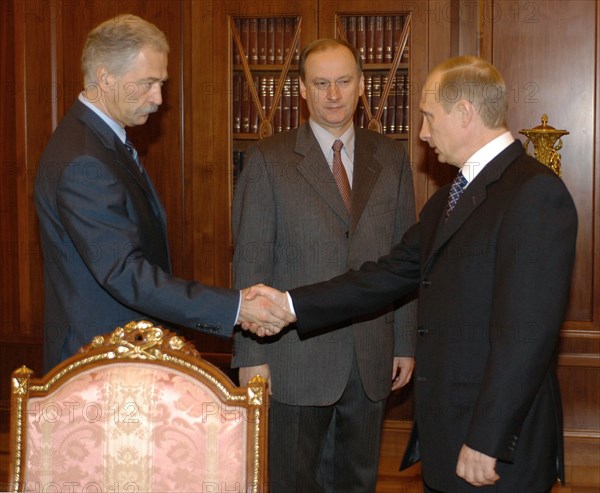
<point x="291" y="228"/>
<point x="493" y="286"/>
<point x="104" y="240"/>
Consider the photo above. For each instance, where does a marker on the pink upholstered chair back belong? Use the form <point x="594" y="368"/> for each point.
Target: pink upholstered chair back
<point x="132" y="413"/>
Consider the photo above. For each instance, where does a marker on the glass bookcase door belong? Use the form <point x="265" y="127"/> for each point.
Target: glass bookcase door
<point x="383" y="43"/>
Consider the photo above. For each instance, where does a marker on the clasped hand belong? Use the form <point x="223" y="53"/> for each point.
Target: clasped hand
<point x="264" y="310"/>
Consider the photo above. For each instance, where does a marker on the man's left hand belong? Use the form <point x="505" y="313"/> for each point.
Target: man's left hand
<point x="402" y="371"/>
<point x="476" y="468"/>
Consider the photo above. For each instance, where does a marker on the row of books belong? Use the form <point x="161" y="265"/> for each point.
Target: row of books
<point x="265" y="40"/>
<point x="247" y="115"/>
<point x="377" y="37"/>
<point x="395" y="114"/>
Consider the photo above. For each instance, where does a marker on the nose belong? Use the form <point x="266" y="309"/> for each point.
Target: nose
<point x="333" y="91"/>
<point x="425" y="133"/>
<point x="156" y="94"/>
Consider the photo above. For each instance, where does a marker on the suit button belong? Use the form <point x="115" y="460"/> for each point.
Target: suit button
<point x="425" y="283"/>
<point x="421" y="331"/>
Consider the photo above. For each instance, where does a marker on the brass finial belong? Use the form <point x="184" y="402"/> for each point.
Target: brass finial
<point x="546" y="144"/>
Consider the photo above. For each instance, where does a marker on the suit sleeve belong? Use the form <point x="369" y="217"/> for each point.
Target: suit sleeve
<point x="535" y="254"/>
<point x="254" y="226"/>
<point x="95" y="211"/>
<point x="405" y="316"/>
<point x="359" y="292"/>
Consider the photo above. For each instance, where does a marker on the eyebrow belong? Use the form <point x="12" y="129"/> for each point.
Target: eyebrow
<point x="152" y="79"/>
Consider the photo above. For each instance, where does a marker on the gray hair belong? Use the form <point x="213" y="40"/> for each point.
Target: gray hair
<point x="116" y="43"/>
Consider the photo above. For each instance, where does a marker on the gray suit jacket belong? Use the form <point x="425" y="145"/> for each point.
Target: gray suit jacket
<point x="290" y="228"/>
<point x="104" y="240"/>
<point x="493" y="287"/>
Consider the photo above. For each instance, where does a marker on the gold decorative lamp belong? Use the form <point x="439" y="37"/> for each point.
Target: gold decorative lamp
<point x="546" y="144"/>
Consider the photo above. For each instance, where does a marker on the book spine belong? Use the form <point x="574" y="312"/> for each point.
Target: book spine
<point x="397" y="33"/>
<point x="254" y="113"/>
<point x="253" y="41"/>
<point x="286" y="100"/>
<point x="391" y="108"/>
<point x="351" y="29"/>
<point x="368" y="94"/>
<point x="370" y="38"/>
<point x="378" y="46"/>
<point x="288" y="35"/>
<point x="388" y="40"/>
<point x="376" y="96"/>
<point x="399" y="103"/>
<point x="246" y="106"/>
<point x="295" y="103"/>
<point x="279" y="46"/>
<point x="271" y="41"/>
<point x="262" y="40"/>
<point x="237" y="103"/>
<point x="361" y="39"/>
<point x="406" y="106"/>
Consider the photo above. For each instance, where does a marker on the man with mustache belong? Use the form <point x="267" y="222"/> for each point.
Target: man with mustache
<point x="102" y="225"/>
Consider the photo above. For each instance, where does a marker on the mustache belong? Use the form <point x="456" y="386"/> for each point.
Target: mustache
<point x="151" y="108"/>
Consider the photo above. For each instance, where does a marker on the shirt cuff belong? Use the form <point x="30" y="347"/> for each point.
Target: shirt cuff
<point x="237" y="314"/>
<point x="290" y="303"/>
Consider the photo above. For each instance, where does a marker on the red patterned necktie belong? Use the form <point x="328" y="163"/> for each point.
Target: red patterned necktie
<point x="339" y="172"/>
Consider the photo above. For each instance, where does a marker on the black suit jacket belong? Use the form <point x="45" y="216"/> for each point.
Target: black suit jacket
<point x="493" y="285"/>
<point x="104" y="240"/>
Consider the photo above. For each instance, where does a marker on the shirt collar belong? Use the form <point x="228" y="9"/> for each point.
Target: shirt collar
<point x="326" y="140"/>
<point x="483" y="156"/>
<point x="118" y="129"/>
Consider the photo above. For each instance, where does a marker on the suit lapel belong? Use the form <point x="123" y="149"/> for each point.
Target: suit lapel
<point x="123" y="158"/>
<point x="314" y="168"/>
<point x="109" y="139"/>
<point x="473" y="196"/>
<point x="366" y="173"/>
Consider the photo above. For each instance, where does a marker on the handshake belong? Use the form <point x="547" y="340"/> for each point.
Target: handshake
<point x="264" y="310"/>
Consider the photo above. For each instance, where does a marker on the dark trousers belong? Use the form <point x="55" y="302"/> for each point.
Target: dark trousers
<point x="299" y="434"/>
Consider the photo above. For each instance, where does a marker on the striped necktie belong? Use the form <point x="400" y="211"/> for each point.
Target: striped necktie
<point x="339" y="172"/>
<point x="133" y="151"/>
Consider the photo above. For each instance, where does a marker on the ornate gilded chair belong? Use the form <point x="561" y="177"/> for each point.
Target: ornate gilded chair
<point x="137" y="410"/>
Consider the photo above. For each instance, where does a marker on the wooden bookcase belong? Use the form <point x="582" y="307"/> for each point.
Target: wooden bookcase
<point x="256" y="59"/>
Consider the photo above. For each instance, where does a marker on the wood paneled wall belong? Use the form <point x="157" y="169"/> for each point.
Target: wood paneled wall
<point x="547" y="51"/>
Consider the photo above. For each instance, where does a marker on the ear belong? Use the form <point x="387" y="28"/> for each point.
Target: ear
<point x="103" y="78"/>
<point x="302" y="88"/>
<point x="361" y="85"/>
<point x="465" y="111"/>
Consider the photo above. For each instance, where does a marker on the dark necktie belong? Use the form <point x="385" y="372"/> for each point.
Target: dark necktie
<point x="134" y="153"/>
<point x="339" y="173"/>
<point x="456" y="189"/>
